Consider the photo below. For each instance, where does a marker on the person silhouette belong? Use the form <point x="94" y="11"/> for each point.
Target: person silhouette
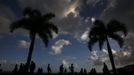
<point x="81" y="71"/>
<point x="93" y="71"/>
<point x="85" y="71"/>
<point x="49" y="68"/>
<point x="65" y="71"/>
<point x="40" y="71"/>
<point x="21" y="68"/>
<point x="15" y="70"/>
<point x="32" y="67"/>
<point x="61" y="69"/>
<point x="0" y="68"/>
<point x="105" y="69"/>
<point x="71" y="68"/>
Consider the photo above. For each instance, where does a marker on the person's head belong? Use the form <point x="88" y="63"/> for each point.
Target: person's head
<point x="71" y="64"/>
<point x="32" y="62"/>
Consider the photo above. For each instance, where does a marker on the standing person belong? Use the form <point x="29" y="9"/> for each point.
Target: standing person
<point x="81" y="71"/>
<point x="40" y="70"/>
<point x="49" y="68"/>
<point x="0" y="68"/>
<point x="85" y="71"/>
<point x="65" y="71"/>
<point x="105" y="69"/>
<point x="32" y="67"/>
<point x="61" y="69"/>
<point x="21" y="68"/>
<point x="15" y="70"/>
<point x="71" y="68"/>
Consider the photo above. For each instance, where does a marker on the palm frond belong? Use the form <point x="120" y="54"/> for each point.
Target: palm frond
<point x="91" y="42"/>
<point x="97" y="33"/>
<point x="51" y="26"/>
<point x="101" y="42"/>
<point x="118" y="38"/>
<point x="37" y="13"/>
<point x="98" y="29"/>
<point x="99" y="22"/>
<point x="115" y="26"/>
<point x="17" y="24"/>
<point x="48" y="32"/>
<point x="48" y="16"/>
<point x="31" y="34"/>
<point x="44" y="38"/>
<point x="27" y="11"/>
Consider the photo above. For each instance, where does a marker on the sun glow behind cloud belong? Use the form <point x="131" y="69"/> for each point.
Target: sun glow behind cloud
<point x="72" y="9"/>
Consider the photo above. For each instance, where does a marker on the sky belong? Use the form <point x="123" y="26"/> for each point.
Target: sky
<point x="74" y="20"/>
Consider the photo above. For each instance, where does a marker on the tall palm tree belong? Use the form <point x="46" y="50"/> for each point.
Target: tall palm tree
<point x="101" y="32"/>
<point x="36" y="24"/>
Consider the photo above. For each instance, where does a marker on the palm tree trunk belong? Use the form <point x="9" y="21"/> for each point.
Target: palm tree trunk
<point x="111" y="56"/>
<point x="30" y="52"/>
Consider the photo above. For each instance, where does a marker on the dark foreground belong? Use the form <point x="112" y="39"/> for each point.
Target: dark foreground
<point x="127" y="70"/>
<point x="132" y="73"/>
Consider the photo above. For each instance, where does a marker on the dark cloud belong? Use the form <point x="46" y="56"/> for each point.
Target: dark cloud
<point x="59" y="7"/>
<point x="129" y="47"/>
<point x="121" y="10"/>
<point x="67" y="17"/>
<point x="6" y="17"/>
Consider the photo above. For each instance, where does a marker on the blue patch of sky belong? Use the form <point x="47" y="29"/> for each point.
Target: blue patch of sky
<point x="93" y="11"/>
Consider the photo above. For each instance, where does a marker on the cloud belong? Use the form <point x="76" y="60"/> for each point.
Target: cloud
<point x="60" y="7"/>
<point x="23" y="44"/>
<point x="121" y="10"/>
<point x="3" y="61"/>
<point x="67" y="17"/>
<point x="92" y="2"/>
<point x="8" y="65"/>
<point x="65" y="63"/>
<point x="84" y="36"/>
<point x="58" y="46"/>
<point x="94" y="55"/>
<point x="98" y="58"/>
<point x="121" y="57"/>
<point x="126" y="56"/>
<point x="6" y="17"/>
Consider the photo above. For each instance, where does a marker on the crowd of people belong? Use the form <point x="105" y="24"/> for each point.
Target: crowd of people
<point x="62" y="69"/>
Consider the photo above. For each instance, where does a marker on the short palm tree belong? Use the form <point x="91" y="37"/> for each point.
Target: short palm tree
<point x="36" y="24"/>
<point x="101" y="32"/>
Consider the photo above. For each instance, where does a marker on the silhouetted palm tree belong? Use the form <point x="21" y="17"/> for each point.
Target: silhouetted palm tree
<point x="36" y="24"/>
<point x="101" y="32"/>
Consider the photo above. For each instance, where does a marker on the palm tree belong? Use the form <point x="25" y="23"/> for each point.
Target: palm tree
<point x="36" y="24"/>
<point x="101" y="32"/>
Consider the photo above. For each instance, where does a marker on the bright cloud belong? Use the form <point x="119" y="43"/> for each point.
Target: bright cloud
<point x="65" y="63"/>
<point x="120" y="57"/>
<point x="72" y="9"/>
<point x="58" y="46"/>
<point x="94" y="55"/>
<point x="23" y="44"/>
<point x="84" y="36"/>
